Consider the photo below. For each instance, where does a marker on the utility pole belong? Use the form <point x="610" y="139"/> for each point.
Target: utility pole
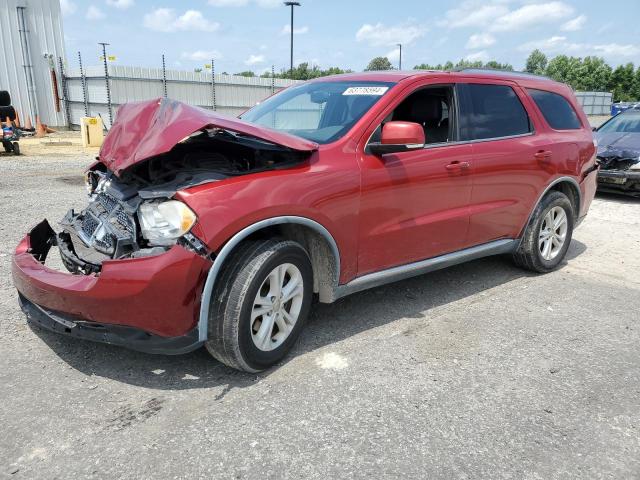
<point x="292" y="5"/>
<point x="400" y="61"/>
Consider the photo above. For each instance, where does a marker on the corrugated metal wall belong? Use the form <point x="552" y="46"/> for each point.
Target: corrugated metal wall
<point x="595" y="103"/>
<point x="233" y="94"/>
<point x="45" y="35"/>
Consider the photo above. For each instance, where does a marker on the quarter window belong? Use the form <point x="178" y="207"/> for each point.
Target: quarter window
<point x="557" y="111"/>
<point x="492" y="111"/>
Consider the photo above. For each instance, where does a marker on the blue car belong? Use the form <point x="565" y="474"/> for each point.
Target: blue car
<point x="619" y="153"/>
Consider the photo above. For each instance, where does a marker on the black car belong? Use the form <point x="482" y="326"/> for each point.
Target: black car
<point x="619" y="153"/>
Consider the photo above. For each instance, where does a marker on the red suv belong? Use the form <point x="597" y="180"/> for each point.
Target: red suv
<point x="215" y="231"/>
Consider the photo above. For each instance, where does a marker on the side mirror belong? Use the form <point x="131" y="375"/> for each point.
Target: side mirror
<point x="397" y="137"/>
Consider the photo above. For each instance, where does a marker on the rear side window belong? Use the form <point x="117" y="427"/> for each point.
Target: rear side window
<point x="557" y="111"/>
<point x="492" y="111"/>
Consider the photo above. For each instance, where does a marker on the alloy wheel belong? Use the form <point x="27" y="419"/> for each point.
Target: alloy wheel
<point x="276" y="307"/>
<point x="553" y="233"/>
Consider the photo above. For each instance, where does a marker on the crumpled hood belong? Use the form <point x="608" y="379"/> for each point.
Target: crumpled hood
<point x="618" y="150"/>
<point x="618" y="141"/>
<point x="145" y="129"/>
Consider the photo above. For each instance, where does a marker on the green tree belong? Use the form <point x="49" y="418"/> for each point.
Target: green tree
<point x="593" y="74"/>
<point x="246" y="73"/>
<point x="498" y="66"/>
<point x="536" y="63"/>
<point x="623" y="83"/>
<point x="467" y="64"/>
<point x="564" y="69"/>
<point x="636" y="91"/>
<point x="379" y="63"/>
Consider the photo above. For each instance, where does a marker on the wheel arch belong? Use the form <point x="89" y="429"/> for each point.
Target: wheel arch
<point x="315" y="238"/>
<point x="567" y="185"/>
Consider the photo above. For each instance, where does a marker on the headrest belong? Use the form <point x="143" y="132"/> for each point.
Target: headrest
<point x="426" y="108"/>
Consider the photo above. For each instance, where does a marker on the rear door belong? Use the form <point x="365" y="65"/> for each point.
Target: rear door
<point x="510" y="165"/>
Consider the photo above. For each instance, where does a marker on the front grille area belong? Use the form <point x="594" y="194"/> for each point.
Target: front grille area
<point x="106" y="226"/>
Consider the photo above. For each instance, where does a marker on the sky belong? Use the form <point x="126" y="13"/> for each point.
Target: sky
<point x="254" y="34"/>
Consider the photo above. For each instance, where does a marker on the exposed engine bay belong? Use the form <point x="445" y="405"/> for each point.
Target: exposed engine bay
<point x="124" y="216"/>
<point x="619" y="170"/>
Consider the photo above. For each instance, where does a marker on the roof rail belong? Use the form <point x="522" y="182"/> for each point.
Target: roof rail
<point x="501" y="72"/>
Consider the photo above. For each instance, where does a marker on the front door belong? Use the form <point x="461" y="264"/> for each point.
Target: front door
<point x="414" y="205"/>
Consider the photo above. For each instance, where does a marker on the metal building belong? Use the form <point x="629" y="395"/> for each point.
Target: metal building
<point x="31" y="49"/>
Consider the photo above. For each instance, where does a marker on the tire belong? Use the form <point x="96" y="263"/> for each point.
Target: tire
<point x="7" y="111"/>
<point x="532" y="254"/>
<point x="5" y="99"/>
<point x="16" y="148"/>
<point x="247" y="278"/>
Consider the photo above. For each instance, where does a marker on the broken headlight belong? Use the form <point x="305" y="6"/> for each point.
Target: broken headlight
<point x="162" y="223"/>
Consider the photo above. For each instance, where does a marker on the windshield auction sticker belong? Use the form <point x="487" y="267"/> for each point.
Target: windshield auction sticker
<point x="375" y="91"/>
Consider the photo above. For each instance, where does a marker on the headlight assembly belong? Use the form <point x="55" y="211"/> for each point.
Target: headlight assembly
<point x="162" y="223"/>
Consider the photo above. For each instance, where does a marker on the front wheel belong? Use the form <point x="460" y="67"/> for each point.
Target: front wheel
<point x="547" y="237"/>
<point x="260" y="304"/>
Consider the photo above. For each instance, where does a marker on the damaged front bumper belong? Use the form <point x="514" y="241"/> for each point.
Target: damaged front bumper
<point x="619" y="181"/>
<point x="149" y="304"/>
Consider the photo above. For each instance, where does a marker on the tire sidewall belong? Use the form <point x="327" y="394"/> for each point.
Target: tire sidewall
<point x="254" y="357"/>
<point x="555" y="200"/>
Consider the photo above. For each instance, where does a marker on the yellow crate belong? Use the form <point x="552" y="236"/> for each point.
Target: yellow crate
<point x="92" y="131"/>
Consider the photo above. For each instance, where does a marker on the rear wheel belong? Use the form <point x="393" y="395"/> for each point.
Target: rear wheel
<point x="260" y="304"/>
<point x="547" y="237"/>
<point x="16" y="148"/>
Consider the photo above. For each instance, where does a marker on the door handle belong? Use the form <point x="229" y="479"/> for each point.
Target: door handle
<point x="457" y="166"/>
<point x="543" y="155"/>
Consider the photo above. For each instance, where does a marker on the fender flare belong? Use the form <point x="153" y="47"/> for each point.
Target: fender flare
<point x="225" y="251"/>
<point x="546" y="190"/>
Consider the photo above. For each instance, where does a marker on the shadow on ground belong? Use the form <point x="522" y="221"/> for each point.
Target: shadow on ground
<point x="328" y="324"/>
<point x="617" y="198"/>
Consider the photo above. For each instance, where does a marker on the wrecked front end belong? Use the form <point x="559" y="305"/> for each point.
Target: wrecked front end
<point x="134" y="265"/>
<point x="619" y="171"/>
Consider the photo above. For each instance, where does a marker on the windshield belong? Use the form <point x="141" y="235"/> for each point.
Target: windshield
<point x="623" y="123"/>
<point x="318" y="111"/>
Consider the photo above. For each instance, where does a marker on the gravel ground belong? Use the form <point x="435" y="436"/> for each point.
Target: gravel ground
<point x="477" y="371"/>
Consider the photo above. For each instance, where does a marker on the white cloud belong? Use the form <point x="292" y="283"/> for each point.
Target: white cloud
<point x="560" y="44"/>
<point x="121" y="4"/>
<point x="481" y="55"/>
<point x="480" y="40"/>
<point x="554" y="44"/>
<point x="244" y="3"/>
<point x="575" y="24"/>
<point x="617" y="50"/>
<point x="254" y="60"/>
<point x="202" y="55"/>
<point x="166" y="20"/>
<point x="228" y="3"/>
<point x="605" y="28"/>
<point x="474" y="13"/>
<point x="393" y="55"/>
<point x="532" y="15"/>
<point x="379" y="36"/>
<point x="67" y="7"/>
<point x="269" y="3"/>
<point x="286" y="30"/>
<point x="94" y="13"/>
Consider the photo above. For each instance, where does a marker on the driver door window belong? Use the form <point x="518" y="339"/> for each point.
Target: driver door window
<point x="429" y="107"/>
